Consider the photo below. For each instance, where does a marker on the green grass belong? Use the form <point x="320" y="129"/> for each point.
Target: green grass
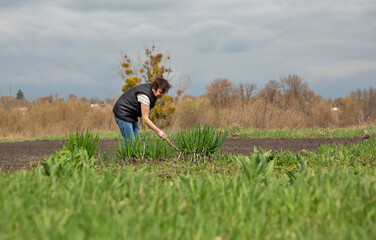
<point x="326" y="194"/>
<point x="242" y="132"/>
<point x="232" y="132"/>
<point x="137" y="205"/>
<point x="103" y="135"/>
<point x="23" y="139"/>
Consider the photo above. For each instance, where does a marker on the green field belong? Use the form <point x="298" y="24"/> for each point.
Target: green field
<point x="326" y="194"/>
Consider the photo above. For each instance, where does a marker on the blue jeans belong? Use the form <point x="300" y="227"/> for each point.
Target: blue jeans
<point x="128" y="130"/>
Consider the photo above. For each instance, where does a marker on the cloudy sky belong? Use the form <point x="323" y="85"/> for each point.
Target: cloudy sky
<point x="74" y="46"/>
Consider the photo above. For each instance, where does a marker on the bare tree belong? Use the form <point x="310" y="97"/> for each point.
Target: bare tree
<point x="245" y="91"/>
<point x="294" y="87"/>
<point x="271" y="91"/>
<point x="221" y="92"/>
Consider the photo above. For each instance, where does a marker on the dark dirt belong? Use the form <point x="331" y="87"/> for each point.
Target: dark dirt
<point x="18" y="155"/>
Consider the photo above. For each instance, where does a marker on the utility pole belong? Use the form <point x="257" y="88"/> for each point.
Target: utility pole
<point x="10" y="89"/>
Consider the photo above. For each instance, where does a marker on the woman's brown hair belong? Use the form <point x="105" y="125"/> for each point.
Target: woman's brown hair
<point x="161" y="83"/>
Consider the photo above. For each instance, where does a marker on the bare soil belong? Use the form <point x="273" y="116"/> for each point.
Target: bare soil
<point x="26" y="155"/>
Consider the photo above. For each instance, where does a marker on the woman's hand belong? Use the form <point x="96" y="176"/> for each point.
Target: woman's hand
<point x="161" y="134"/>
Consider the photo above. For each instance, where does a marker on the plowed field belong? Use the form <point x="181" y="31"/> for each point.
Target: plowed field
<point x="18" y="155"/>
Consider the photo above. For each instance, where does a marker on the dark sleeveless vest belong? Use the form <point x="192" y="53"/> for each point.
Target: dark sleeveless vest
<point x="128" y="108"/>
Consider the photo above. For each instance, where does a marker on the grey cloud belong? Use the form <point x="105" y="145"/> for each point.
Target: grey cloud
<point x="16" y="3"/>
<point x="243" y="40"/>
<point x="220" y="35"/>
<point x="342" y="68"/>
<point x="146" y="31"/>
<point x="118" y="5"/>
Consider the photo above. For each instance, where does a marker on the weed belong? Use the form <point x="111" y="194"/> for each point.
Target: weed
<point x="66" y="162"/>
<point x="257" y="165"/>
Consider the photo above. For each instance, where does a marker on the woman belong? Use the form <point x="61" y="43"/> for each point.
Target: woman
<point x="137" y="102"/>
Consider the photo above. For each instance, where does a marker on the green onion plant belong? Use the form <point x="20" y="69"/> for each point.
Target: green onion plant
<point x="200" y="140"/>
<point x="85" y="140"/>
<point x="146" y="149"/>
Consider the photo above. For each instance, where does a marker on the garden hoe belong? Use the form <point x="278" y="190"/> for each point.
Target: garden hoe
<point x="172" y="145"/>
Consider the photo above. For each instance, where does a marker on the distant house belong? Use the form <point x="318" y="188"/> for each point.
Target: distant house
<point x="99" y="104"/>
<point x="94" y="105"/>
<point x="334" y="108"/>
<point x="23" y="110"/>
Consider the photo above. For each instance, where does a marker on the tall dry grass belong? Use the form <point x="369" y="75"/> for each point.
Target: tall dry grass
<point x="48" y="116"/>
<point x="287" y="103"/>
<point x="270" y="109"/>
<point x="255" y="114"/>
<point x="260" y="113"/>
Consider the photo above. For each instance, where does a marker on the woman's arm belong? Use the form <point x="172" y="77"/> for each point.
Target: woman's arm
<point x="145" y="117"/>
